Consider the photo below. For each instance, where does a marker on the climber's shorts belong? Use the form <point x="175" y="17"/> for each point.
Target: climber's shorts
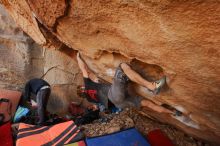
<point x="118" y="93"/>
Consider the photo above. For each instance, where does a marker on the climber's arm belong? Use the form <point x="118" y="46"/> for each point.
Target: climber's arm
<point x="83" y="67"/>
<point x="87" y="73"/>
<point x="135" y="77"/>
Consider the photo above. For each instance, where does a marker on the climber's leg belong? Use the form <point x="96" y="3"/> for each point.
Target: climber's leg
<point x="42" y="100"/>
<point x="87" y="73"/>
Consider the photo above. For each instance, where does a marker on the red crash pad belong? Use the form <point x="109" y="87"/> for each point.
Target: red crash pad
<point x="6" y="135"/>
<point x="157" y="138"/>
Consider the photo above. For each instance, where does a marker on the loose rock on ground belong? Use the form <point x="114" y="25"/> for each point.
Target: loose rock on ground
<point x="132" y="118"/>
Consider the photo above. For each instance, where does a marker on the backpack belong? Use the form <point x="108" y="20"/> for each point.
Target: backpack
<point x="8" y="104"/>
<point x="5" y="112"/>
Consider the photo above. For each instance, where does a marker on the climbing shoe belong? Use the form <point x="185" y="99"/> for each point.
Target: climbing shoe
<point x="159" y="85"/>
<point x="178" y="113"/>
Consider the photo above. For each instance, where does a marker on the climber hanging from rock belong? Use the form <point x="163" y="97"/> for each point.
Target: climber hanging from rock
<point x="116" y="93"/>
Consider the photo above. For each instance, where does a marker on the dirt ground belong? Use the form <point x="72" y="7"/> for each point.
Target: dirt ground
<point x="131" y="118"/>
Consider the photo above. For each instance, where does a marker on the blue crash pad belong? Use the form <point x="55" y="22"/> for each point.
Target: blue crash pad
<point x="129" y="137"/>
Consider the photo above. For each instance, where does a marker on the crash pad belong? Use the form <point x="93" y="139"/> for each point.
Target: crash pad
<point x="59" y="134"/>
<point x="129" y="137"/>
<point x="6" y="135"/>
<point x="158" y="138"/>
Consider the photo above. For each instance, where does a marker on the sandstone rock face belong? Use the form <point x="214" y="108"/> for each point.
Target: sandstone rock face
<point x="22" y="59"/>
<point x="179" y="39"/>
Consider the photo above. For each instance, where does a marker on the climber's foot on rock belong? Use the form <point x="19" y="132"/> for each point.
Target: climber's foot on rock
<point x="177" y="113"/>
<point x="158" y="85"/>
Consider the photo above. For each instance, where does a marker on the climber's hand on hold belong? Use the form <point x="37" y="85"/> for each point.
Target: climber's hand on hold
<point x="93" y="107"/>
<point x="86" y="104"/>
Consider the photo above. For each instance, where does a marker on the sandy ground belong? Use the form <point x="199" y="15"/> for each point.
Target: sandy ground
<point x="131" y="118"/>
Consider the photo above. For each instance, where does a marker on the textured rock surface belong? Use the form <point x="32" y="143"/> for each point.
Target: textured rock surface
<point x="22" y="59"/>
<point x="62" y="73"/>
<point x="177" y="38"/>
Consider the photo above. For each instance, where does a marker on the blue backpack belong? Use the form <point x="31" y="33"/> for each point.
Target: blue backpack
<point x="21" y="112"/>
